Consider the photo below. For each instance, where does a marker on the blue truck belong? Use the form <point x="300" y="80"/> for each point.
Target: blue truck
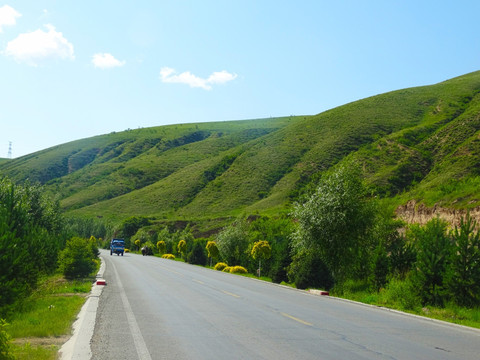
<point x="117" y="246"/>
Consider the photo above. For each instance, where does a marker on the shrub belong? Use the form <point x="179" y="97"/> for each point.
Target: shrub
<point x="168" y="256"/>
<point x="127" y="250"/>
<point x="400" y="292"/>
<point x="197" y="256"/>
<point x="308" y="270"/>
<point x="5" y="348"/>
<point x="238" y="270"/>
<point x="227" y="269"/>
<point x="76" y="260"/>
<point x="220" y="266"/>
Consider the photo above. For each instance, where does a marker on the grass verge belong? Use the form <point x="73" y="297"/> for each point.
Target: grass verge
<point x="399" y="295"/>
<point x="42" y="323"/>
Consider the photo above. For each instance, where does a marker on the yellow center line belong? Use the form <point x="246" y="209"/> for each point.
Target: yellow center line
<point x="297" y="319"/>
<point x="231" y="294"/>
<point x="172" y="271"/>
<point x="198" y="281"/>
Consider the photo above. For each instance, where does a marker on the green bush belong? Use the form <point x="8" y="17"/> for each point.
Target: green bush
<point x="220" y="266"/>
<point x="400" y="292"/>
<point x="308" y="270"/>
<point x="168" y="256"/>
<point x="76" y="260"/>
<point x="5" y="348"/>
<point x="197" y="256"/>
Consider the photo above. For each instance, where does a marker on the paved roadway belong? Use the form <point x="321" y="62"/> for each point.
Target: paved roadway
<point x="154" y="308"/>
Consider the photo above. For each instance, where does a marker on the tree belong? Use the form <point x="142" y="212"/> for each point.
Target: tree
<point x="76" y="259"/>
<point x="463" y="277"/>
<point x="379" y="267"/>
<point x="308" y="270"/>
<point x="212" y="250"/>
<point x="232" y="242"/>
<point x="197" y="255"/>
<point x="261" y="250"/>
<point x="182" y="247"/>
<point x="31" y="236"/>
<point x="336" y="220"/>
<point x="161" y="246"/>
<point x="434" y="250"/>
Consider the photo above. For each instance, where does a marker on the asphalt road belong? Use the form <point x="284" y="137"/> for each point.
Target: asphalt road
<point x="154" y="308"/>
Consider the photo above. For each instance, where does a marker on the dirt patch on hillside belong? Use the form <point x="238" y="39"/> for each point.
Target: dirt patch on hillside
<point x="414" y="213"/>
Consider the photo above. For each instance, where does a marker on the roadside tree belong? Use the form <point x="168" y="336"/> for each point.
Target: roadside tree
<point x="463" y="276"/>
<point x="212" y="251"/>
<point x="336" y="220"/>
<point x="182" y="248"/>
<point x="261" y="251"/>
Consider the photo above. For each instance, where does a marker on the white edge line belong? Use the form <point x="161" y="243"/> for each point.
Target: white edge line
<point x="140" y="345"/>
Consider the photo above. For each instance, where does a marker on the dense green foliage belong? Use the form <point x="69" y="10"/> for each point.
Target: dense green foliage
<point x="433" y="251"/>
<point x="30" y="239"/>
<point x="464" y="272"/>
<point x="76" y="260"/>
<point x="335" y="221"/>
<point x="5" y="347"/>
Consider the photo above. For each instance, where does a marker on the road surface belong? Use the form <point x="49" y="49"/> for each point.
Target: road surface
<point x="155" y="308"/>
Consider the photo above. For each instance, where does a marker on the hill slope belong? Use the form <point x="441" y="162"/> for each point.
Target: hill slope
<point x="420" y="143"/>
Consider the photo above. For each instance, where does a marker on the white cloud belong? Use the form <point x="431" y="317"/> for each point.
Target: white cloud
<point x="35" y="46"/>
<point x="106" y="61"/>
<point x="168" y="75"/>
<point x="221" y="77"/>
<point x="8" y="16"/>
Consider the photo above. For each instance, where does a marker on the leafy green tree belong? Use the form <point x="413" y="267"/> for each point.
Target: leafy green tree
<point x="137" y="244"/>
<point x="182" y="247"/>
<point x="212" y="250"/>
<point x="434" y="249"/>
<point x="261" y="250"/>
<point x="336" y="220"/>
<point x="277" y="231"/>
<point x="232" y="242"/>
<point x="463" y="278"/>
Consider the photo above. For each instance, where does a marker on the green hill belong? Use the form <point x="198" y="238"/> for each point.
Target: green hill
<point x="420" y="143"/>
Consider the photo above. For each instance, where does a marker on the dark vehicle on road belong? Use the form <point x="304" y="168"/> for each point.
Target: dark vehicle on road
<point x="117" y="246"/>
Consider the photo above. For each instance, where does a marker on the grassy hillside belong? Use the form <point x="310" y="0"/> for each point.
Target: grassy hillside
<point x="420" y="143"/>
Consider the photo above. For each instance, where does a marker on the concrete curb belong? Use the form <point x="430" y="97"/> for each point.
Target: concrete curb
<point x="78" y="346"/>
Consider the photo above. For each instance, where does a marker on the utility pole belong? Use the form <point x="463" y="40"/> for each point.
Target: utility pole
<point x="9" y="150"/>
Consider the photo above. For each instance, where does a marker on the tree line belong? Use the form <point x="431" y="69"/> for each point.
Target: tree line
<point x="35" y="240"/>
<point x="339" y="233"/>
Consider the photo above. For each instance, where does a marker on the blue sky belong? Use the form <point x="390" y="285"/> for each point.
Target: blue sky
<point x="75" y="69"/>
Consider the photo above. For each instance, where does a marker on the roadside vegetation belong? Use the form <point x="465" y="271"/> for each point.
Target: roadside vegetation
<point x="44" y="273"/>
